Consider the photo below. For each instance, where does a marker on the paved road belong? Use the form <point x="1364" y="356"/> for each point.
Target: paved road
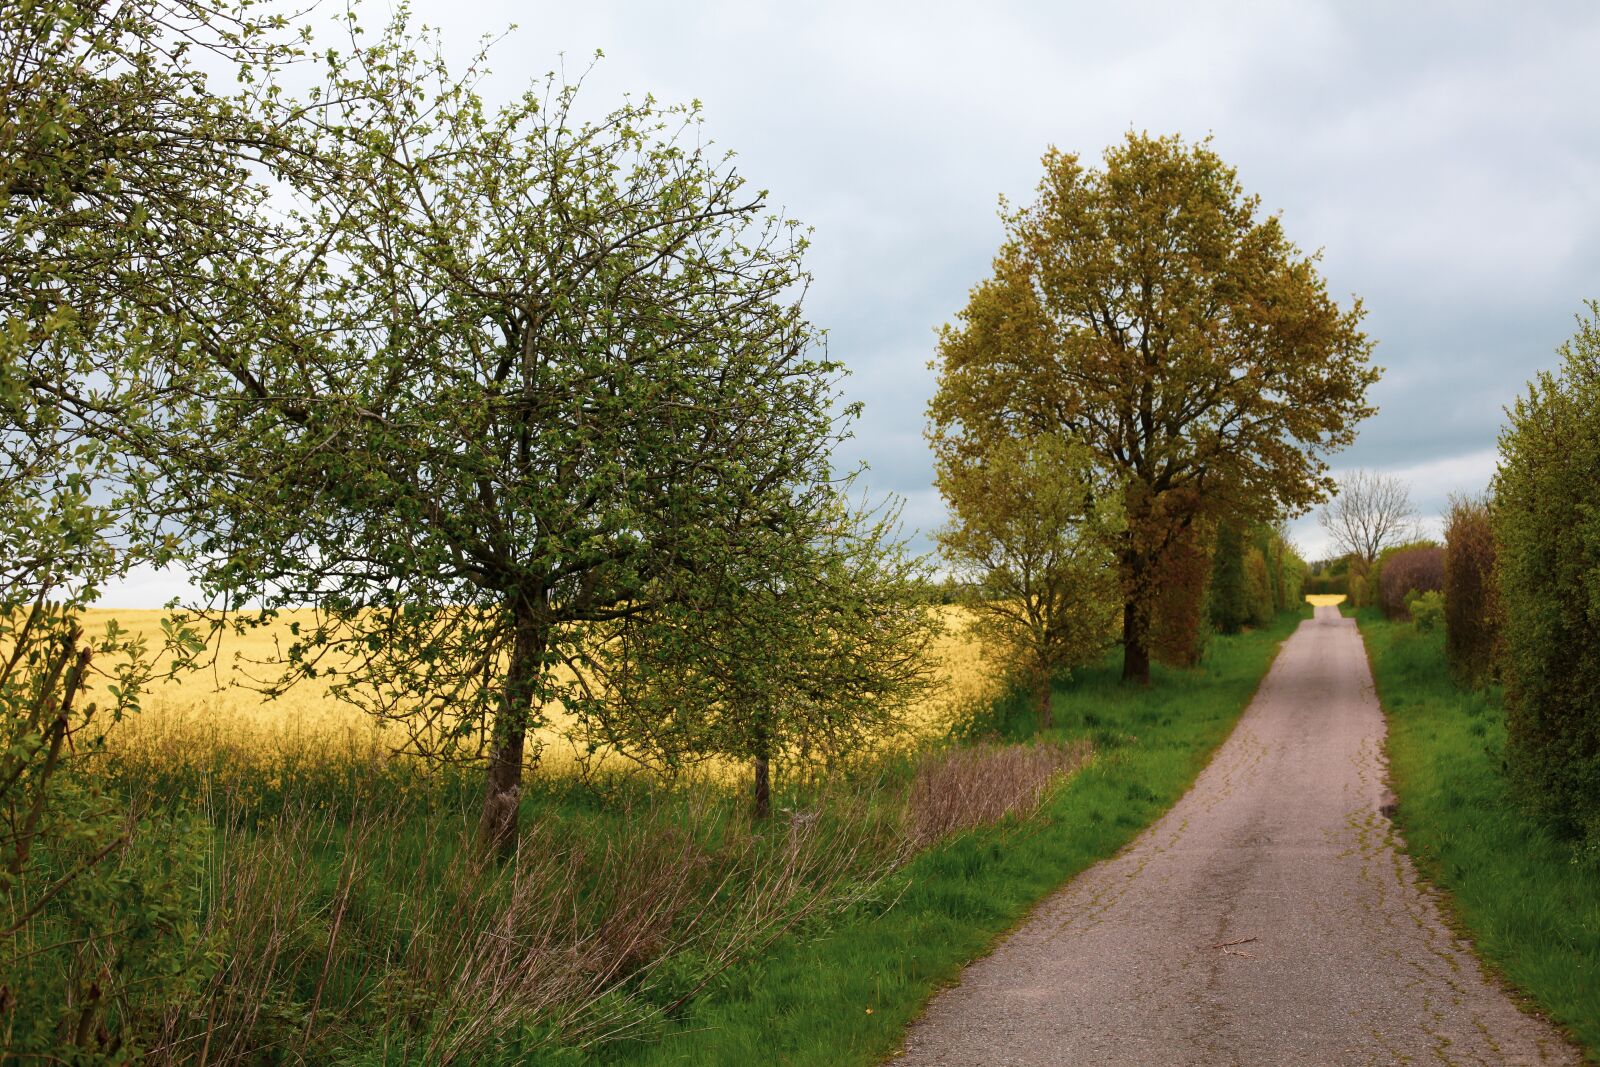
<point x="1267" y="919"/>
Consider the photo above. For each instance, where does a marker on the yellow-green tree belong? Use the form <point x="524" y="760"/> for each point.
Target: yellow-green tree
<point x="1151" y="311"/>
<point x="1030" y="536"/>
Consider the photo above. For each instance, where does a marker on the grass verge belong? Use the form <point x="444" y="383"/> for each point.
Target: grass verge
<point x="847" y="997"/>
<point x="1530" y="904"/>
<point x="326" y="905"/>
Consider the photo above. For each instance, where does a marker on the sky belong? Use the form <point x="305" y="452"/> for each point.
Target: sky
<point x="1444" y="157"/>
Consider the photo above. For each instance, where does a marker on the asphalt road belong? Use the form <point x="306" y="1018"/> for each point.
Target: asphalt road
<point x="1268" y="918"/>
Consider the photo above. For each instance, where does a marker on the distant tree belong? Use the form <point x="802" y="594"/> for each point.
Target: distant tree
<point x="1148" y="310"/>
<point x="1471" y="602"/>
<point x="1031" y="535"/>
<point x="809" y="649"/>
<point x="546" y="369"/>
<point x="1368" y="513"/>
<point x="1546" y="503"/>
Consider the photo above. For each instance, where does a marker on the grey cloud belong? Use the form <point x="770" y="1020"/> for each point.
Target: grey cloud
<point x="1444" y="156"/>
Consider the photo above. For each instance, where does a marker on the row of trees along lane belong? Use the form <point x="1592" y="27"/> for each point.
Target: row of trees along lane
<point x="485" y="390"/>
<point x="1148" y="311"/>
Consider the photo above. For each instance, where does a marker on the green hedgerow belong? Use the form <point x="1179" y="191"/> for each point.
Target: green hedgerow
<point x="1547" y="522"/>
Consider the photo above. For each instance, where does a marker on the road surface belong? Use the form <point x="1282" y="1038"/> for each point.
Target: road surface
<point x="1268" y="918"/>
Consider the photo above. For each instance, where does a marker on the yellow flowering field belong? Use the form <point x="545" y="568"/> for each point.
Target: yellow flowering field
<point x="214" y="708"/>
<point x="1324" y="600"/>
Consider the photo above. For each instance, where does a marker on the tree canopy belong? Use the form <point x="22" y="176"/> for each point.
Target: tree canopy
<point x="1149" y="310"/>
<point x="518" y="374"/>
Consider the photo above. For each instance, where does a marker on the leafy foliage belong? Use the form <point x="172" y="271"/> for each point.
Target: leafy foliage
<point x="538" y="373"/>
<point x="1229" y="606"/>
<point x="1546" y="520"/>
<point x="119" y="187"/>
<point x="1472" y="607"/>
<point x="1427" y="610"/>
<point x="1417" y="568"/>
<point x="1179" y="629"/>
<point x="802" y="651"/>
<point x="1149" y="311"/>
<point x="1031" y="535"/>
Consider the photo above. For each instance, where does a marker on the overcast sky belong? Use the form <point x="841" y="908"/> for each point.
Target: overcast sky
<point x="1445" y="157"/>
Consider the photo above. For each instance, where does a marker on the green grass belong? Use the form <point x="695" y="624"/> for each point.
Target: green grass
<point x="330" y="878"/>
<point x="1531" y="906"/>
<point x="847" y="998"/>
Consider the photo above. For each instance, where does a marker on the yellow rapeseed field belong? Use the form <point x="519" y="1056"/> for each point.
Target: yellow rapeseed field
<point x="215" y="708"/>
<point x="1324" y="600"/>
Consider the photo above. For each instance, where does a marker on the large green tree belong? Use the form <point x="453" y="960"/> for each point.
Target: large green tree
<point x="123" y="180"/>
<point x="545" y="371"/>
<point x="1149" y="309"/>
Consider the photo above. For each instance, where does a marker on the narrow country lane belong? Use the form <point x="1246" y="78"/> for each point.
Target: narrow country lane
<point x="1269" y="918"/>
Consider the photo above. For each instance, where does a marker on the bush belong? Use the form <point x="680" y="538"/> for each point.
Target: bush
<point x="1229" y="602"/>
<point x="1472" y="625"/>
<point x="1546" y="522"/>
<point x="1408" y="569"/>
<point x="1178" y="631"/>
<point x="1427" y="610"/>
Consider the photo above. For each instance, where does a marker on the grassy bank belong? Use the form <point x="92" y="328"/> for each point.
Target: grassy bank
<point x="847" y="997"/>
<point x="325" y="904"/>
<point x="1531" y="906"/>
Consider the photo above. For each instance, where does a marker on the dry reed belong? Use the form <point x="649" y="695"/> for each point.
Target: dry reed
<point x="961" y="788"/>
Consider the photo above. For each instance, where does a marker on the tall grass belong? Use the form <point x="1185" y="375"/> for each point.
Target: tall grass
<point x="324" y="904"/>
<point x="847" y="997"/>
<point x="333" y="907"/>
<point x="1530" y="900"/>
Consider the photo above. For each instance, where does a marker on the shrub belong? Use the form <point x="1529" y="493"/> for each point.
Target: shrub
<point x="1178" y="632"/>
<point x="1409" y="569"/>
<point x="1546" y="522"/>
<point x="1427" y="610"/>
<point x="1229" y="603"/>
<point x="1472" y="607"/>
<point x="1258" y="588"/>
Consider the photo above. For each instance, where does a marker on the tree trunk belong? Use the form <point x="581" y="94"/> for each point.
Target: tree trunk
<point x="763" y="788"/>
<point x="1135" y="643"/>
<point x="497" y="829"/>
<point x="1042" y="691"/>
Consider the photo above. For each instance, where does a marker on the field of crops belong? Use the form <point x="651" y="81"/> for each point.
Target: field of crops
<point x="216" y="708"/>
